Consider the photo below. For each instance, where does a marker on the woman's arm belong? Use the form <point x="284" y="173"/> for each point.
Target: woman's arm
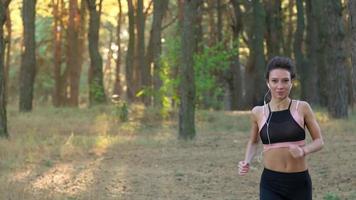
<point x="252" y="144"/>
<point x="314" y="130"/>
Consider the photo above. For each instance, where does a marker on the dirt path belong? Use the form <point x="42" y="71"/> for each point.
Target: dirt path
<point x="170" y="170"/>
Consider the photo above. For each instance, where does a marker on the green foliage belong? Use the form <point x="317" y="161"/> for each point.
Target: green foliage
<point x="121" y="110"/>
<point x="97" y="94"/>
<point x="169" y="71"/>
<point x="211" y="65"/>
<point x="331" y="196"/>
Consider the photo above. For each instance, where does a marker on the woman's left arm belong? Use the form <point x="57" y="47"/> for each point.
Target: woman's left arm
<point x="314" y="130"/>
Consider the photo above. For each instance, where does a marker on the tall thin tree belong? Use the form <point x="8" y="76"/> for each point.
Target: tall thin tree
<point x="336" y="61"/>
<point x="154" y="48"/>
<point x="186" y="72"/>
<point x="73" y="47"/>
<point x="3" y="117"/>
<point x="352" y="12"/>
<point x="28" y="58"/>
<point x="96" y="84"/>
<point x="129" y="68"/>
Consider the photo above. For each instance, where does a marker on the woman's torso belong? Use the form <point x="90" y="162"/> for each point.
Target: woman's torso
<point x="285" y="128"/>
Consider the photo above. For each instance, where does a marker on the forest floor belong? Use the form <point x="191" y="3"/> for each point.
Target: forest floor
<point x="87" y="154"/>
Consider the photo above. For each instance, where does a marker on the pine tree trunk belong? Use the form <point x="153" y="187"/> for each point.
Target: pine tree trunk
<point x="235" y="83"/>
<point x="73" y="62"/>
<point x="352" y="12"/>
<point x="28" y="59"/>
<point x="3" y="115"/>
<point x="129" y="68"/>
<point x="96" y="85"/>
<point x="117" y="85"/>
<point x="255" y="69"/>
<point x="8" y="46"/>
<point x="186" y="72"/>
<point x="154" y="48"/>
<point x="336" y="61"/>
<point x="274" y="36"/>
<point x="298" y="45"/>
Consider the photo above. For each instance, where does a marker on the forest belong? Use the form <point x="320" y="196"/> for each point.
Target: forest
<point x="87" y="75"/>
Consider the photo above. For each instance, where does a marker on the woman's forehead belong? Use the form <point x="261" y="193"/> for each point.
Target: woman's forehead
<point x="279" y="73"/>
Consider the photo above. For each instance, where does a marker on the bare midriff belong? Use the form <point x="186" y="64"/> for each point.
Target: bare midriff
<point x="281" y="160"/>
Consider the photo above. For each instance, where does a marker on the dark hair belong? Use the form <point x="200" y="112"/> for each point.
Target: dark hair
<point x="279" y="62"/>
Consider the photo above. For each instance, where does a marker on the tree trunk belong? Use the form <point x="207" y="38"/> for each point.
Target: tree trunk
<point x="96" y="85"/>
<point x="117" y="86"/>
<point x="274" y="36"/>
<point x="309" y="76"/>
<point x="144" y="71"/>
<point x="73" y="62"/>
<point x="235" y="83"/>
<point x="154" y="48"/>
<point x="298" y="44"/>
<point x="8" y="25"/>
<point x="3" y="116"/>
<point x="352" y="12"/>
<point x="287" y="46"/>
<point x="255" y="69"/>
<point x="28" y="59"/>
<point x="187" y="81"/>
<point x="130" y="53"/>
<point x="336" y="61"/>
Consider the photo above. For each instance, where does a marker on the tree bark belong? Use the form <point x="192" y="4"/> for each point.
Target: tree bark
<point x="117" y="85"/>
<point x="73" y="62"/>
<point x="129" y="68"/>
<point x="235" y="82"/>
<point x="8" y="46"/>
<point x="255" y="69"/>
<point x="298" y="46"/>
<point x="352" y="12"/>
<point x="336" y="61"/>
<point x="3" y="116"/>
<point x="96" y="85"/>
<point x="186" y="72"/>
<point x="154" y="48"/>
<point x="274" y="34"/>
<point x="28" y="59"/>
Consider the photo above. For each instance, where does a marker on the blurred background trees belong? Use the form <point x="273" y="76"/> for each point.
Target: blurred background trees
<point x="79" y="53"/>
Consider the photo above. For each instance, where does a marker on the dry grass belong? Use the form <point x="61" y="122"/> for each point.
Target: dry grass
<point x="88" y="154"/>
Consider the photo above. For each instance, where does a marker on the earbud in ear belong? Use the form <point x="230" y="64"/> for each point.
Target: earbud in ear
<point x="290" y="86"/>
<point x="268" y="86"/>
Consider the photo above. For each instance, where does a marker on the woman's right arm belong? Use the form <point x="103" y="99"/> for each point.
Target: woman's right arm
<point x="252" y="144"/>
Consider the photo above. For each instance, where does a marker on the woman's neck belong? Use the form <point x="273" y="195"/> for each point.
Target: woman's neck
<point x="279" y="104"/>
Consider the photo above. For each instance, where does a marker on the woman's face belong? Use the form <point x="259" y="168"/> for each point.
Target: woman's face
<point x="280" y="83"/>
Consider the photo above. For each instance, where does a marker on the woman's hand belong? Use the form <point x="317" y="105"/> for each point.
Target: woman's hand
<point x="243" y="168"/>
<point x="296" y="151"/>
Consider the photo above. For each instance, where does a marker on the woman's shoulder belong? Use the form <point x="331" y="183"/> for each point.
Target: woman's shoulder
<point x="258" y="111"/>
<point x="303" y="106"/>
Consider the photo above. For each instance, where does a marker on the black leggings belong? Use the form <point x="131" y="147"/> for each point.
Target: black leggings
<point x="285" y="186"/>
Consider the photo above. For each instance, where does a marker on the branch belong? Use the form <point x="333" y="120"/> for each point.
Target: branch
<point x="148" y="8"/>
<point x="170" y="23"/>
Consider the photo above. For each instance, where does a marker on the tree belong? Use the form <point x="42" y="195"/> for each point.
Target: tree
<point x="57" y="98"/>
<point x="154" y="48"/>
<point x="28" y="59"/>
<point x="352" y="12"/>
<point x="235" y="80"/>
<point x="255" y="88"/>
<point x="186" y="72"/>
<point x="274" y="36"/>
<point x="73" y="47"/>
<point x="117" y="85"/>
<point x="336" y="61"/>
<point x="3" y="118"/>
<point x="129" y="68"/>
<point x="96" y="85"/>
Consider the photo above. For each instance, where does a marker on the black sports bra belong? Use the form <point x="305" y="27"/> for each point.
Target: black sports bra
<point x="282" y="127"/>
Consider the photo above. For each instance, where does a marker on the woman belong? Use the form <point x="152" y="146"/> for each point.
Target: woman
<point x="280" y="125"/>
